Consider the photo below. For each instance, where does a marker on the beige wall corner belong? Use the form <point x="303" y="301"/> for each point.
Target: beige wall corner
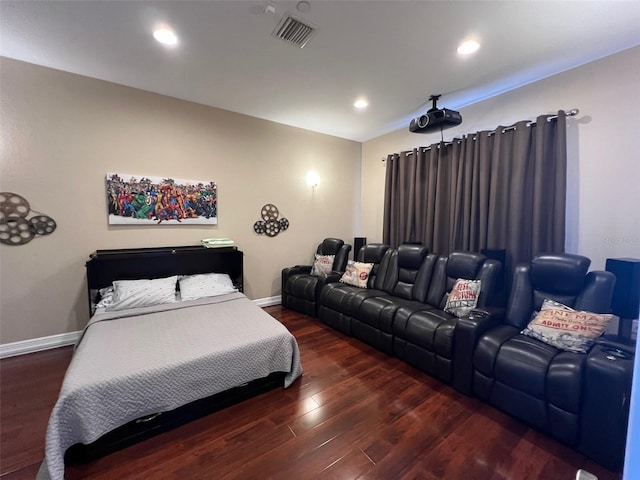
<point x="61" y="133"/>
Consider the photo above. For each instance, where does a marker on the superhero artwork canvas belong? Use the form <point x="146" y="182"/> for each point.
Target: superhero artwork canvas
<point x="146" y="200"/>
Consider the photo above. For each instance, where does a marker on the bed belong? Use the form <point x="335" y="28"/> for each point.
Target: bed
<point x="142" y="367"/>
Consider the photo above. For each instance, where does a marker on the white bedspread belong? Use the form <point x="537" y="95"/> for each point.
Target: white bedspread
<point x="138" y="362"/>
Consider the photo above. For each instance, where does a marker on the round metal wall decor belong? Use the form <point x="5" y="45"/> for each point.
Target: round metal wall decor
<point x="259" y="227"/>
<point x="42" y="224"/>
<point x="15" y="231"/>
<point x="15" y="227"/>
<point x="269" y="212"/>
<point x="272" y="228"/>
<point x="13" y="205"/>
<point x="270" y="225"/>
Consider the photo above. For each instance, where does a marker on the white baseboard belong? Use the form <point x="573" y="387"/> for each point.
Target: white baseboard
<point x="70" y="338"/>
<point x="268" y="301"/>
<point x="38" y="344"/>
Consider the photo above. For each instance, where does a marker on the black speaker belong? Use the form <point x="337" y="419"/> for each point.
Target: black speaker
<point x="626" y="294"/>
<point x="499" y="254"/>
<point x="358" y="243"/>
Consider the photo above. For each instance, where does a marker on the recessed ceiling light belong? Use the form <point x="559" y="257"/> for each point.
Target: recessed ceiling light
<point x="361" y="103"/>
<point x="468" y="47"/>
<point x="165" y="36"/>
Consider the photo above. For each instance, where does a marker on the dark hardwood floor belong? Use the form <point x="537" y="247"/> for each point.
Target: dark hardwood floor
<point x="356" y="413"/>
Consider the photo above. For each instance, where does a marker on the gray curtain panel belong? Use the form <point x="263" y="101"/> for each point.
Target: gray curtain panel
<point x="500" y="189"/>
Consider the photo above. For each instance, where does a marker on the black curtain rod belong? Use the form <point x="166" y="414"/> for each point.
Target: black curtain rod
<point x="571" y="113"/>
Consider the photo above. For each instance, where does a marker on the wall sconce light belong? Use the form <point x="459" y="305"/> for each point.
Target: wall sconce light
<point x="313" y="179"/>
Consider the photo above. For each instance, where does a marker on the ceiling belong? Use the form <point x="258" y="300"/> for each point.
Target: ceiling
<point x="396" y="53"/>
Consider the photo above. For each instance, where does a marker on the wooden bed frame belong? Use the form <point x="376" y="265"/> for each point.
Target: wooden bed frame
<point x="105" y="266"/>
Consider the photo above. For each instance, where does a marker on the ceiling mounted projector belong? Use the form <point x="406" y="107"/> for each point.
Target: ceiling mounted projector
<point x="436" y="119"/>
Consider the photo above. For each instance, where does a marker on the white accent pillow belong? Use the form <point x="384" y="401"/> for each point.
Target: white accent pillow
<point x="106" y="297"/>
<point x="323" y="265"/>
<point x="205" y="285"/>
<point x="356" y="274"/>
<point x="143" y="293"/>
<point x="565" y="328"/>
<point x="463" y="297"/>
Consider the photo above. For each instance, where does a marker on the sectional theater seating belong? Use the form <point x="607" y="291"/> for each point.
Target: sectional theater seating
<point x="494" y="353"/>
<point x="301" y="286"/>
<point x="404" y="283"/>
<point x="424" y="335"/>
<point x="401" y="311"/>
<point x="554" y="381"/>
<point x="336" y="298"/>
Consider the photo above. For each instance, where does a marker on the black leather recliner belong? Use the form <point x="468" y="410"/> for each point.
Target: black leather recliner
<point x="576" y="397"/>
<point x="425" y="335"/>
<point x="301" y="290"/>
<point x="405" y="282"/>
<point x="335" y="298"/>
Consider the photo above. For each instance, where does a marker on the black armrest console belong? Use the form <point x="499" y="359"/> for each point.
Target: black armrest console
<point x="617" y="346"/>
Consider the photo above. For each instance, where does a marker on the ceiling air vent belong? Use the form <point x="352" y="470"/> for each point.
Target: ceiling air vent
<point x="294" y="30"/>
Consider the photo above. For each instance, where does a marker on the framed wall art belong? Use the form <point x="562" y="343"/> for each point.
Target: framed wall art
<point x="145" y="200"/>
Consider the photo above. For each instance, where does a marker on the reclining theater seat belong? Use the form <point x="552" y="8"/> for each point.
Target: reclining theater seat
<point x="545" y="386"/>
<point x="405" y="283"/>
<point x="335" y="297"/>
<point x="301" y="289"/>
<point x="426" y="336"/>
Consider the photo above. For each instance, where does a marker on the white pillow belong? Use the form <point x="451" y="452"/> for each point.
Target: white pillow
<point x="143" y="293"/>
<point x="565" y="328"/>
<point x="463" y="297"/>
<point x="323" y="265"/>
<point x="205" y="285"/>
<point x="106" y="297"/>
<point x="356" y="274"/>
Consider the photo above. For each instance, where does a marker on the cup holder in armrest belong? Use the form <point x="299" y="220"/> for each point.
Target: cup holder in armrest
<point x="616" y="353"/>
<point x="478" y="314"/>
<point x="621" y="345"/>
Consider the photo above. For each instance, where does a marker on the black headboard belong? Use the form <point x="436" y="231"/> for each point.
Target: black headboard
<point x="105" y="266"/>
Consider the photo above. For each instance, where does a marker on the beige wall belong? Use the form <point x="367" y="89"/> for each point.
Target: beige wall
<point x="61" y="133"/>
<point x="604" y="160"/>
